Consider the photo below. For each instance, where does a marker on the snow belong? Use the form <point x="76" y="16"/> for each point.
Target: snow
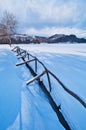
<point x="23" y="108"/>
<point x="56" y="36"/>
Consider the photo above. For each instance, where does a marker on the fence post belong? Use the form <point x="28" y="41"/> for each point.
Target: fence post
<point x="35" y="64"/>
<point x="28" y="56"/>
<point x="17" y="49"/>
<point x="49" y="82"/>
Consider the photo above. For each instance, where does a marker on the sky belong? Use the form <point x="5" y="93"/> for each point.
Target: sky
<point x="48" y="17"/>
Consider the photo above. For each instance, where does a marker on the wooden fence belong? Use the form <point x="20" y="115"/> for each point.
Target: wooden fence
<point x="30" y="58"/>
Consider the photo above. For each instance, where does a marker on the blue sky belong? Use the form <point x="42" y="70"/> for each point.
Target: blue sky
<point x="47" y="17"/>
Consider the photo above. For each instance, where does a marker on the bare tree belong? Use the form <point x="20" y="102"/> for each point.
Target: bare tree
<point x="10" y="23"/>
<point x="9" y="20"/>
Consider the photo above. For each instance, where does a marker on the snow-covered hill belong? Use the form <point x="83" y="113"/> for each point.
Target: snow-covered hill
<point x="61" y="38"/>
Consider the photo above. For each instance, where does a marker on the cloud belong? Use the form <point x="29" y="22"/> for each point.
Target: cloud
<point x="52" y="13"/>
<point x="46" y="11"/>
<point x="45" y="15"/>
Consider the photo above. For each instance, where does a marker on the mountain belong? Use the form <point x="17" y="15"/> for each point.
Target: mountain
<point x="57" y="38"/>
<point x="60" y="38"/>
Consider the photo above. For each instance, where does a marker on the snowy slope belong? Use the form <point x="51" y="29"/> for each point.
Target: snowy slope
<point x="22" y="108"/>
<point x="68" y="62"/>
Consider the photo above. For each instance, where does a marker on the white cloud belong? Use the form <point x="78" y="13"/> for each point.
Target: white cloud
<point x="42" y="16"/>
<point x="52" y="13"/>
<point x="47" y="11"/>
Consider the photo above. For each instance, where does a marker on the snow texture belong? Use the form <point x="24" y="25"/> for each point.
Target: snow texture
<point x="23" y="108"/>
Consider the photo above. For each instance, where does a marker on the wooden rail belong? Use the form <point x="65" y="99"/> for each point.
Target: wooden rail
<point x="35" y="78"/>
<point x="18" y="64"/>
<point x="68" y="90"/>
<point x="45" y="71"/>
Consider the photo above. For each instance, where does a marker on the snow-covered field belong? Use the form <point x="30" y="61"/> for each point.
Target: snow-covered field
<point x="28" y="109"/>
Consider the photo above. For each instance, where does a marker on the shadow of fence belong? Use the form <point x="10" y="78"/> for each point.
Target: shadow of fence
<point x="27" y="58"/>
